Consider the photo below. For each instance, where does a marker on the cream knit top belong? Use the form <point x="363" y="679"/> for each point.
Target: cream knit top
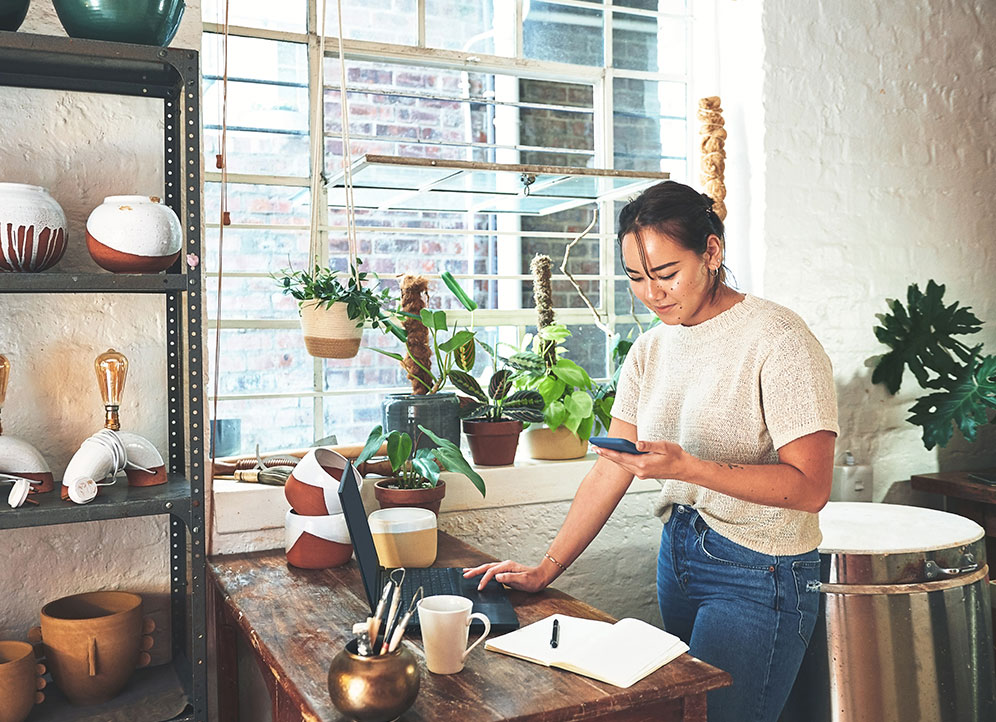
<point x="732" y="389"/>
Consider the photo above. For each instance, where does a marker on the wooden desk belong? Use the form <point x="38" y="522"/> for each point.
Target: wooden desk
<point x="967" y="498"/>
<point x="296" y="620"/>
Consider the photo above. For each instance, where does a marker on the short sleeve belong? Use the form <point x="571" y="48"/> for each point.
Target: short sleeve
<point x="627" y="400"/>
<point x="798" y="396"/>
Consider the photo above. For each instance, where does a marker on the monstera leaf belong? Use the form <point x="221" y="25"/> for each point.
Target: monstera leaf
<point x="921" y="337"/>
<point x="962" y="403"/>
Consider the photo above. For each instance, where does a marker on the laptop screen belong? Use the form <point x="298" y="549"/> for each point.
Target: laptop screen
<point x="359" y="532"/>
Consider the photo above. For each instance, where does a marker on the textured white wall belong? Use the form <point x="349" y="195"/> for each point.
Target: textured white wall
<point x="83" y="148"/>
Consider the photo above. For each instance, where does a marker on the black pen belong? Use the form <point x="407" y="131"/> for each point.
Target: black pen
<point x="555" y="639"/>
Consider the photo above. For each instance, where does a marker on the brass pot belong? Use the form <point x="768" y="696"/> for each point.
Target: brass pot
<point x="374" y="689"/>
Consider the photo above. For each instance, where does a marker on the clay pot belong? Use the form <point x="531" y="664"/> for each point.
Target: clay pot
<point x="312" y="489"/>
<point x="562" y="443"/>
<point x="133" y="234"/>
<point x="145" y="465"/>
<point x="20" y="458"/>
<point x="316" y="542"/>
<point x="492" y="443"/>
<point x="328" y="330"/>
<point x="93" y="642"/>
<point x="33" y="231"/>
<point x="390" y="497"/>
<point x="374" y="689"/>
<point x="12" y="13"/>
<point x="20" y="680"/>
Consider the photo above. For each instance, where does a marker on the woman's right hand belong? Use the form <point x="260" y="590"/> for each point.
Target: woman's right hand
<point x="512" y="574"/>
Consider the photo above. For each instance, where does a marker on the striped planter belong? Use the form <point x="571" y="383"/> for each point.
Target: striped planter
<point x="328" y="331"/>
<point x="32" y="228"/>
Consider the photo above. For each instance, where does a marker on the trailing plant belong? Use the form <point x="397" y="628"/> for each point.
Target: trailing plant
<point x="419" y="468"/>
<point x="325" y="286"/>
<point x="497" y="404"/>
<point x="962" y="381"/>
<point x="423" y="340"/>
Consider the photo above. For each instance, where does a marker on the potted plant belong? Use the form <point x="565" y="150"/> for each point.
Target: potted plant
<point x="492" y="419"/>
<point x="334" y="313"/>
<point x="414" y="479"/>
<point x="961" y="381"/>
<point x="432" y="351"/>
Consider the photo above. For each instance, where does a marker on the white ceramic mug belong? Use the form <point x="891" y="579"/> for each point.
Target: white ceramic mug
<point x="445" y="621"/>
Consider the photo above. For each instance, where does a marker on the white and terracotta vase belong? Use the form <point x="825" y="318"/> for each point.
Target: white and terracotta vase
<point x="133" y="234"/>
<point x="329" y="332"/>
<point x="316" y="542"/>
<point x="33" y="231"/>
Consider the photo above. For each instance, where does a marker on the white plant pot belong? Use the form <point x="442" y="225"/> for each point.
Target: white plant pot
<point x="133" y="234"/>
<point x="328" y="330"/>
<point x="33" y="232"/>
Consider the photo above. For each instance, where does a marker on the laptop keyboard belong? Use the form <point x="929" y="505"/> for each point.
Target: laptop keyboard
<point x="433" y="580"/>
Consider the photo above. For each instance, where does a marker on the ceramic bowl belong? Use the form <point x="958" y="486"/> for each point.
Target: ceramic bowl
<point x="317" y="542"/>
<point x="12" y="13"/>
<point x="133" y="234"/>
<point x="313" y="487"/>
<point x="33" y="229"/>
<point x="147" y="22"/>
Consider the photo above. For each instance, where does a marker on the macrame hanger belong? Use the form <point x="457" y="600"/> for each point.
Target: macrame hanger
<point x="347" y="155"/>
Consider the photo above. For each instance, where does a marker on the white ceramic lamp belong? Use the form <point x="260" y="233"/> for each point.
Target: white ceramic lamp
<point x="18" y="457"/>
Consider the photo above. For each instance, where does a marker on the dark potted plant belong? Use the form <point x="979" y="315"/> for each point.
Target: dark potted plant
<point x="415" y="471"/>
<point x="961" y="380"/>
<point x="334" y="313"/>
<point x="492" y="419"/>
<point x="430" y="356"/>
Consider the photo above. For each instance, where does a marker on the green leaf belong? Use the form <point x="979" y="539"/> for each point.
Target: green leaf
<point x="578" y="404"/>
<point x="477" y="411"/>
<point x="468" y="384"/>
<point x="374" y="440"/>
<point x="424" y="462"/>
<point x="425" y="316"/>
<point x="453" y="461"/>
<point x="551" y="389"/>
<point x="526" y="405"/>
<point x="962" y="405"/>
<point x="441" y="442"/>
<point x="572" y="374"/>
<point x="398" y="332"/>
<point x="451" y="283"/>
<point x="465" y="355"/>
<point x="396" y="356"/>
<point x="399" y="448"/>
<point x="500" y="384"/>
<point x="439" y="320"/>
<point x="456" y="340"/>
<point x="584" y="428"/>
<point x="555" y="414"/>
<point x="527" y="361"/>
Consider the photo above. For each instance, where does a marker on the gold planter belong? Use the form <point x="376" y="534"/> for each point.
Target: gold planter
<point x="560" y="444"/>
<point x="374" y="689"/>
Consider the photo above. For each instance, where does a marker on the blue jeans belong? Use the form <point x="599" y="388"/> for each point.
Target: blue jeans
<point x="747" y="613"/>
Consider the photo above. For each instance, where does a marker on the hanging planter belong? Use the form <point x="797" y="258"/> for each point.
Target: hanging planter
<point x="334" y="313"/>
<point x="329" y="332"/>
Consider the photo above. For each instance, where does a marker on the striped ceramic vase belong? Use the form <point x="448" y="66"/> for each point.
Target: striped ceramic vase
<point x="33" y="230"/>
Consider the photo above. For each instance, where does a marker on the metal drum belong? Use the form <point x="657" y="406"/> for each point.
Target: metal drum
<point x="904" y="632"/>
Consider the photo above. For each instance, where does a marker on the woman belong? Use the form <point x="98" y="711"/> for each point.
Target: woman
<point x="732" y="398"/>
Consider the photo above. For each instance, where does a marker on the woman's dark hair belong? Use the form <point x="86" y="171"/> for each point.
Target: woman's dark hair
<point x="678" y="212"/>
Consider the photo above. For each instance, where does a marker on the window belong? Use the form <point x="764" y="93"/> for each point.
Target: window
<point x="559" y="82"/>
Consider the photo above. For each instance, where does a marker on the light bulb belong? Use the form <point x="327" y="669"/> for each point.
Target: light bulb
<point x="4" y="375"/>
<point x="112" y="369"/>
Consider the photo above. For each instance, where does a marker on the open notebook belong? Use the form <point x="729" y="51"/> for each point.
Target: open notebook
<point x="620" y="654"/>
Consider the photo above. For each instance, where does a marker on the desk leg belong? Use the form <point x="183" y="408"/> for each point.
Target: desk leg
<point x="694" y="709"/>
<point x="226" y="647"/>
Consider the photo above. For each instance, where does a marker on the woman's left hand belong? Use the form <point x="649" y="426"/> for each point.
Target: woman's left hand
<point x="663" y="460"/>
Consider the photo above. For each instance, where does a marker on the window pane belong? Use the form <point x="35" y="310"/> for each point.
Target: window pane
<point x="645" y="43"/>
<point x="664" y="6"/>
<point x="293" y="14"/>
<point x="257" y="106"/>
<point x="649" y="124"/>
<point x="262" y="152"/>
<point x="276" y="205"/>
<point x="255" y="58"/>
<point x="274" y="424"/>
<point x="467" y="25"/>
<point x="563" y="34"/>
<point x="257" y="361"/>
<point x="262" y="250"/>
<point x="250" y="298"/>
<point x="585" y="347"/>
<point x="385" y="21"/>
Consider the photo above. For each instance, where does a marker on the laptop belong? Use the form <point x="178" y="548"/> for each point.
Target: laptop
<point x="490" y="601"/>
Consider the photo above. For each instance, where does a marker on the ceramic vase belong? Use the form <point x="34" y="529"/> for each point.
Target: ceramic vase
<point x="20" y="681"/>
<point x="133" y="234"/>
<point x="390" y="497"/>
<point x="492" y="443"/>
<point x="33" y="231"/>
<point x="374" y="689"/>
<point x="93" y="642"/>
<point x="328" y="330"/>
<point x="558" y="444"/>
<point x="439" y="413"/>
<point x="316" y="542"/>
<point x="312" y="489"/>
<point x="147" y="22"/>
<point x="12" y="13"/>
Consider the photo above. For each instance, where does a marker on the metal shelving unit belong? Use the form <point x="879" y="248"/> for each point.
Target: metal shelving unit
<point x="42" y="61"/>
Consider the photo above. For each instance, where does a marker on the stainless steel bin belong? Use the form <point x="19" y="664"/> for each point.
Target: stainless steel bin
<point x="904" y="632"/>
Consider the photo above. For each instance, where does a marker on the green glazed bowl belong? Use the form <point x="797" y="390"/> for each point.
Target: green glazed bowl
<point x="12" y="13"/>
<point x="146" y="22"/>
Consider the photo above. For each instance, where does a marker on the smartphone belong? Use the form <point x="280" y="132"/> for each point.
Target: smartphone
<point x="616" y="444"/>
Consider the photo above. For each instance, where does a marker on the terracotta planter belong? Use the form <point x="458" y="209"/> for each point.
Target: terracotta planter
<point x="33" y="232"/>
<point x="19" y="681"/>
<point x="20" y="458"/>
<point x="492" y="443"/>
<point x="312" y="489"/>
<point x="329" y="332"/>
<point x="389" y="497"/>
<point x="145" y="464"/>
<point x="541" y="443"/>
<point x="316" y="542"/>
<point x="133" y="234"/>
<point x="93" y="642"/>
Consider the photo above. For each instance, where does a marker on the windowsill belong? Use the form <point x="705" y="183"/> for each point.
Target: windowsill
<point x="250" y="517"/>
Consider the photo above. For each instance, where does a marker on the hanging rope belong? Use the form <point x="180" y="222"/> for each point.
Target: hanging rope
<point x="346" y="151"/>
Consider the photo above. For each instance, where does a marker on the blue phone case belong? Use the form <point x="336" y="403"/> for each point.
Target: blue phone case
<point x="616" y="444"/>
